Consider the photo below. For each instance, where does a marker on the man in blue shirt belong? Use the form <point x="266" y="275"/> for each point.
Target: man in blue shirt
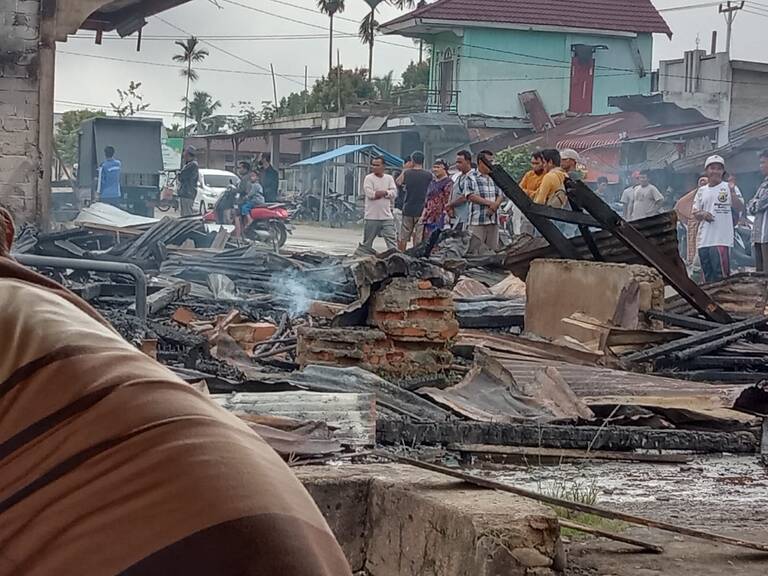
<point x="109" y="178"/>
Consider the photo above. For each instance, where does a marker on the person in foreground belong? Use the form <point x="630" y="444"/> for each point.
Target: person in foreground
<point x="714" y="207"/>
<point x="109" y="464"/>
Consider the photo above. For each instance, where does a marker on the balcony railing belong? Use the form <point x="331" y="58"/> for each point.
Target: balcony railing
<point x="442" y="101"/>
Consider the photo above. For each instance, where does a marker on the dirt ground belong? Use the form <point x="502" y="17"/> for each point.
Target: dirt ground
<point x="726" y="495"/>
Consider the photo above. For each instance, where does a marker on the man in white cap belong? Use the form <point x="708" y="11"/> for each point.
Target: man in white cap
<point x="569" y="162"/>
<point x="714" y="207"/>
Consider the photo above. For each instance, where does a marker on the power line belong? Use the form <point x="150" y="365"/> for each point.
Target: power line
<point x="162" y="65"/>
<point x="228" y="53"/>
<point x="304" y="23"/>
<point x="691" y="7"/>
<point x="169" y="38"/>
<point x="102" y="107"/>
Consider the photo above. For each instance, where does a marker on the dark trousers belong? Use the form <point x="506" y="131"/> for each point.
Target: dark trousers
<point x="760" y="251"/>
<point x="715" y="262"/>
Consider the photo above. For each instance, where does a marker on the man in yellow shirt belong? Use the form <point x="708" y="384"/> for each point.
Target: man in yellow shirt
<point x="532" y="179"/>
<point x="552" y="189"/>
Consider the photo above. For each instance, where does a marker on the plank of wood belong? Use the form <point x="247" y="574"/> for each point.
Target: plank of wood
<point x="578" y="506"/>
<point x="162" y="298"/>
<point x="611" y="536"/>
<point x="568" y="454"/>
<point x="352" y="415"/>
<point x="222" y="236"/>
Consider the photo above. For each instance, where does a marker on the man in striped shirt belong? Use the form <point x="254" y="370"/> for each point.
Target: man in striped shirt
<point x="484" y="206"/>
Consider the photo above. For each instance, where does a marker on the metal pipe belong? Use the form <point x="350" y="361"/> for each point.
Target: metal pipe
<point x="94" y="266"/>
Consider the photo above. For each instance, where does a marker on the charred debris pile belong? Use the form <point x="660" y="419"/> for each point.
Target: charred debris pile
<point x="490" y="357"/>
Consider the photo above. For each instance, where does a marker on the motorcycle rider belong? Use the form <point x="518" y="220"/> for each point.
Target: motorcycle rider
<point x="226" y="204"/>
<point x="253" y="196"/>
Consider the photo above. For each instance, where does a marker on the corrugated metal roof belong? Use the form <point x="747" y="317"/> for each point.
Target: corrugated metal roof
<point x="616" y="15"/>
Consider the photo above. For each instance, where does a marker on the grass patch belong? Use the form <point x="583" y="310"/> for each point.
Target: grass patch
<point x="582" y="493"/>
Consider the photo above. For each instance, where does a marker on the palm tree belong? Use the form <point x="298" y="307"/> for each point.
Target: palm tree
<point x="191" y="52"/>
<point x="330" y="7"/>
<point x="201" y="109"/>
<point x="369" y="25"/>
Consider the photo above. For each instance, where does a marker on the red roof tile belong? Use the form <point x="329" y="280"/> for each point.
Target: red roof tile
<point x="616" y="15"/>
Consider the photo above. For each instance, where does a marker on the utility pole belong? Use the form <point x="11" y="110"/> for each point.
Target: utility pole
<point x="305" y="96"/>
<point x="274" y="88"/>
<point x="338" y="81"/>
<point x="729" y="10"/>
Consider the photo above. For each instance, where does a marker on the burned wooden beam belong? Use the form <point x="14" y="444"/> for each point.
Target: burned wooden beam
<point x="707" y="347"/>
<point x="697" y="339"/>
<point x="727" y="362"/>
<point x="682" y="321"/>
<point x="614" y="438"/>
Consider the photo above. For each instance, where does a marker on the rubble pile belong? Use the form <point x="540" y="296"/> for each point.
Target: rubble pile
<point x="425" y="348"/>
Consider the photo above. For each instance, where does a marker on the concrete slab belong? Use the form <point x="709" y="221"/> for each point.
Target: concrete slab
<point x="614" y="293"/>
<point x="395" y="520"/>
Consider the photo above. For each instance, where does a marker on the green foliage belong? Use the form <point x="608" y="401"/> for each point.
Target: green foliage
<point x="201" y="109"/>
<point x="354" y="87"/>
<point x="515" y="161"/>
<point x="249" y="115"/>
<point x="175" y="131"/>
<point x="67" y="133"/>
<point x="131" y="102"/>
<point x="416" y="76"/>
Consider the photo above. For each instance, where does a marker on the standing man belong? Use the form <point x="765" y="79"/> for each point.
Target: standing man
<point x="626" y="196"/>
<point x="188" y="178"/>
<point x="532" y="179"/>
<point x="644" y="200"/>
<point x="758" y="207"/>
<point x="551" y="192"/>
<point x="484" y="206"/>
<point x="714" y="207"/>
<point x="465" y="186"/>
<point x="416" y="180"/>
<point x="530" y="184"/>
<point x="602" y="186"/>
<point x="270" y="179"/>
<point x="569" y="162"/>
<point x="380" y="191"/>
<point x="109" y="178"/>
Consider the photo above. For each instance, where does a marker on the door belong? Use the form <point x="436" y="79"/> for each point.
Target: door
<point x="582" y="80"/>
<point x="446" y="81"/>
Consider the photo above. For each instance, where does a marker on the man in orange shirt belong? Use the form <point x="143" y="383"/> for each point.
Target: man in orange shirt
<point x="532" y="179"/>
<point x="530" y="183"/>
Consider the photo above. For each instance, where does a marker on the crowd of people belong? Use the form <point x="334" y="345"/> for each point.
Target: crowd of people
<point x="418" y="202"/>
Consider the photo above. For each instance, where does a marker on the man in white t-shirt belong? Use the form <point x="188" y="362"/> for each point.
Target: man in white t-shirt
<point x="380" y="191"/>
<point x="714" y="207"/>
<point x="644" y="200"/>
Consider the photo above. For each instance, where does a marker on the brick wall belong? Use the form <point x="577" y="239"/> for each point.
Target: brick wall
<point x="19" y="153"/>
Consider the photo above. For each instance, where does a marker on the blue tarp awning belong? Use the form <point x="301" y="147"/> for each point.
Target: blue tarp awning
<point x="390" y="159"/>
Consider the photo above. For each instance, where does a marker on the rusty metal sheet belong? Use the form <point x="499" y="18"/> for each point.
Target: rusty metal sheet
<point x="489" y="393"/>
<point x="534" y="106"/>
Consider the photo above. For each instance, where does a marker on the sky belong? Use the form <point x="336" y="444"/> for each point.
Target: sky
<point x="245" y="37"/>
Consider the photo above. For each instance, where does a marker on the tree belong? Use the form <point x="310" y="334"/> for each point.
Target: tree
<point x="368" y="26"/>
<point x="415" y="76"/>
<point x="191" y="52"/>
<point x="348" y="86"/>
<point x="67" y="133"/>
<point x="516" y="161"/>
<point x="330" y="7"/>
<point x="201" y="109"/>
<point x="384" y="86"/>
<point x="175" y="131"/>
<point x="249" y="115"/>
<point x="131" y="102"/>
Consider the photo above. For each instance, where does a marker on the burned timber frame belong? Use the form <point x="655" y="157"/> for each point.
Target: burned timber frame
<point x="589" y="210"/>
